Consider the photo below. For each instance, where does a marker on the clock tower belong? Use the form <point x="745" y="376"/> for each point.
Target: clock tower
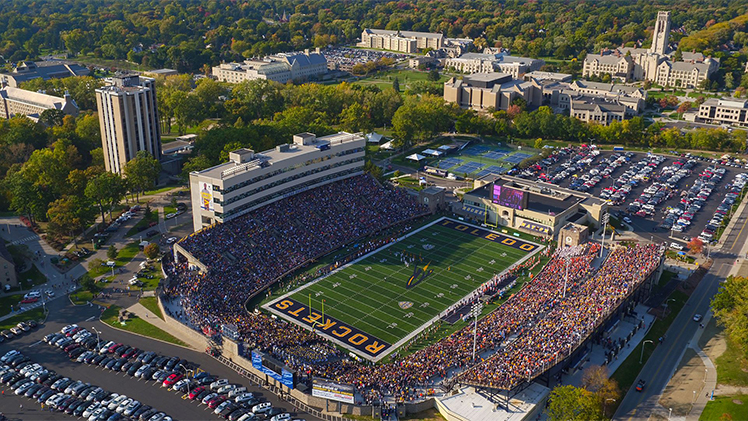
<point x="661" y="34"/>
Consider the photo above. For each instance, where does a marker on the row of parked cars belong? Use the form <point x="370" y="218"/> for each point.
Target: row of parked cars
<point x="720" y="215"/>
<point x="604" y="169"/>
<point x="681" y="216"/>
<point x="76" y="398"/>
<point x="230" y="401"/>
<point x="17" y="330"/>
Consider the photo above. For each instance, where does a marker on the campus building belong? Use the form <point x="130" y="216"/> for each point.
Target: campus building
<point x="559" y="94"/>
<point x="654" y="64"/>
<point x="403" y="41"/>
<point x="281" y="68"/>
<point x="482" y="91"/>
<point x="16" y="101"/>
<point x="536" y="208"/>
<point x="489" y="63"/>
<point x="7" y="268"/>
<point x="591" y="109"/>
<point x="251" y="180"/>
<point x="731" y="111"/>
<point x="45" y="70"/>
<point x="128" y="116"/>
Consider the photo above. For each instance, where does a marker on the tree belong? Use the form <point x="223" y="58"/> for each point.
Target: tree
<point x="730" y="306"/>
<point x="695" y="246"/>
<point x="151" y="251"/>
<point x="396" y="84"/>
<point x="142" y="172"/>
<point x="69" y="214"/>
<point x="111" y="253"/>
<point x="105" y="190"/>
<point x="568" y="403"/>
<point x="433" y="75"/>
<point x="51" y="117"/>
<point x="595" y="379"/>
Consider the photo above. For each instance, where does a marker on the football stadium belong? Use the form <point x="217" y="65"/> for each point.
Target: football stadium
<point x="361" y="269"/>
<point x="376" y="303"/>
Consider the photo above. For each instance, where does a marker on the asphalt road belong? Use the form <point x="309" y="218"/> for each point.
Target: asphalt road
<point x="662" y="364"/>
<point x="63" y="313"/>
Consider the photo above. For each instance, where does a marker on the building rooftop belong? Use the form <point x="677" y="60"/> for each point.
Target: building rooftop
<point x="470" y="404"/>
<point x="406" y="34"/>
<point x="46" y="71"/>
<point x="248" y="160"/>
<point x="34" y="98"/>
<point x="605" y="58"/>
<point x="548" y="199"/>
<point x="584" y="102"/>
<point x="551" y="76"/>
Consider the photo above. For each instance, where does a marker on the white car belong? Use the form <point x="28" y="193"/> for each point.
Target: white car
<point x="262" y="408"/>
<point x="171" y="240"/>
<point x="170" y="215"/>
<point x="697" y="317"/>
<point x="676" y="246"/>
<point x="626" y="219"/>
<point x="220" y="407"/>
<point x="281" y="417"/>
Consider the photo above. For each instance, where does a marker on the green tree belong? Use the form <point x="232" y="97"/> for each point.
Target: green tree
<point x="433" y="75"/>
<point x="69" y="214"/>
<point x="111" y="252"/>
<point x="142" y="172"/>
<point x="355" y="118"/>
<point x="105" y="190"/>
<point x="51" y="117"/>
<point x="730" y="306"/>
<point x="569" y="403"/>
<point x="396" y="84"/>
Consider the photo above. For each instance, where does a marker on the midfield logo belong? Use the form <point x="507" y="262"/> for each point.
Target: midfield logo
<point x="418" y="275"/>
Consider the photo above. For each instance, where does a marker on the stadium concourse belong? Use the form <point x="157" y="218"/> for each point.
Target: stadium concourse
<point x="562" y="304"/>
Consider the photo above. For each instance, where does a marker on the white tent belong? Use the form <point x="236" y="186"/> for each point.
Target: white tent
<point x="433" y="152"/>
<point x="387" y="146"/>
<point x="415" y="157"/>
<point x="374" y="137"/>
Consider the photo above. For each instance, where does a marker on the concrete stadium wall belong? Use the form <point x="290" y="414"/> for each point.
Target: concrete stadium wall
<point x="181" y="331"/>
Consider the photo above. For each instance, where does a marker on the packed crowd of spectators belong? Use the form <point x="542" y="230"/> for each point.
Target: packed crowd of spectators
<point x="570" y="320"/>
<point x="246" y="254"/>
<point x="560" y="305"/>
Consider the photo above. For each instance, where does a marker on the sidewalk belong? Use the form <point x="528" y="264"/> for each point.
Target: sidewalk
<point x="145" y="314"/>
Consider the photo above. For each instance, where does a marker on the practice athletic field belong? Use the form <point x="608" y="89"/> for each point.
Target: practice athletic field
<point x="375" y="304"/>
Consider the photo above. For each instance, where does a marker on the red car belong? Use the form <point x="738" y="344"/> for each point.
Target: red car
<point x="113" y="348"/>
<point x="216" y="401"/>
<point x="195" y="392"/>
<point x="29" y="300"/>
<point x="130" y="353"/>
<point x="169" y="382"/>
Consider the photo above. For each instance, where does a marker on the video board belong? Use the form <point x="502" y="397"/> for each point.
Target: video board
<point x="509" y="197"/>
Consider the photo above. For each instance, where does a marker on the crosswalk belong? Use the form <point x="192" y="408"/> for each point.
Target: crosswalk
<point x="23" y="240"/>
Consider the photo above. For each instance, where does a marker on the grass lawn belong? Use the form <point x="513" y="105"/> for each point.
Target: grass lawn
<point x="81" y="297"/>
<point x="409" y="182"/>
<point x="137" y="325"/>
<point x="126" y="253"/>
<point x="144" y="222"/>
<point x="383" y="79"/>
<point x="151" y="284"/>
<point x="169" y="209"/>
<point x="32" y="277"/>
<point x="730" y="367"/>
<point x="628" y="371"/>
<point x="34" y="314"/>
<point x="7" y="301"/>
<point x="162" y="189"/>
<point x="151" y="303"/>
<point x="725" y="405"/>
<point x="389" y="299"/>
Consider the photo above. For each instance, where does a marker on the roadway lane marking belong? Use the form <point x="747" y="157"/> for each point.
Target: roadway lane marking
<point x="734" y="243"/>
<point x="90" y="318"/>
<point x="35" y="344"/>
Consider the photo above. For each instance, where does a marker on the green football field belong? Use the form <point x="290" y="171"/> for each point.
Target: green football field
<point x="386" y="298"/>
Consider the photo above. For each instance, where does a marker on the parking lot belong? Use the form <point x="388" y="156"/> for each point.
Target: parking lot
<point x="658" y="181"/>
<point x="146" y="392"/>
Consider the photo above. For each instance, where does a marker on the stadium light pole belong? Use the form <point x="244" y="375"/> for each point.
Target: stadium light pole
<point x="566" y="279"/>
<point x="605" y="224"/>
<point x="477" y="308"/>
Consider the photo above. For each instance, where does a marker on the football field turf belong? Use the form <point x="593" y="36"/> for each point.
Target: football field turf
<point x="389" y="295"/>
